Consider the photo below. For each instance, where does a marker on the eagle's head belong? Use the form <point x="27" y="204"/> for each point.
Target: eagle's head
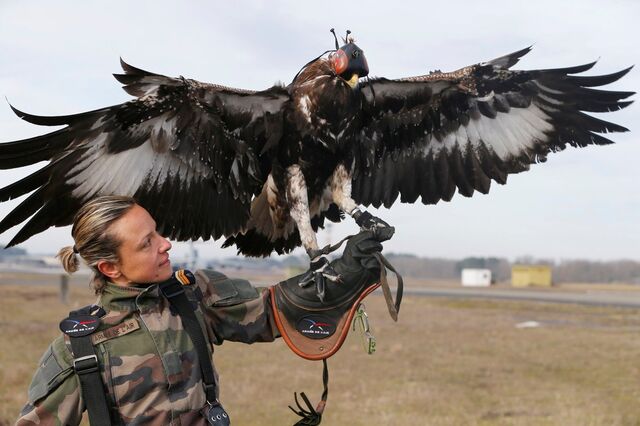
<point x="349" y="61"/>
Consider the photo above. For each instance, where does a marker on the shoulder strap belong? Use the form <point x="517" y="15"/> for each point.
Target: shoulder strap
<point x="79" y="326"/>
<point x="85" y="364"/>
<point x="174" y="292"/>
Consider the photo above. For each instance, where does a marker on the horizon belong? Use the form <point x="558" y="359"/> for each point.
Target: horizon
<point x="388" y="253"/>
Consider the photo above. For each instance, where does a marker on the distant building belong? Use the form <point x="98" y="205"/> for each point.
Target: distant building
<point x="529" y="275"/>
<point x="476" y="277"/>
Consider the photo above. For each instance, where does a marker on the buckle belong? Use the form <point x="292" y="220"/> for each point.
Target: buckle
<point x="167" y="290"/>
<point x="210" y="393"/>
<point x="90" y="367"/>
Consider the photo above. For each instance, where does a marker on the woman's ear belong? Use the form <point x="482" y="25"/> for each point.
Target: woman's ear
<point x="110" y="270"/>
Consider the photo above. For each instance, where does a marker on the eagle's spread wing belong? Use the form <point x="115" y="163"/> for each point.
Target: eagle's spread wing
<point x="181" y="146"/>
<point x="426" y="136"/>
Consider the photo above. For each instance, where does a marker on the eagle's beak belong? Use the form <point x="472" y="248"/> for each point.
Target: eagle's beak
<point x="353" y="82"/>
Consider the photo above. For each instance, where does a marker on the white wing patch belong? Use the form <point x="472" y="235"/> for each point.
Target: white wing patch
<point x="125" y="172"/>
<point x="508" y="135"/>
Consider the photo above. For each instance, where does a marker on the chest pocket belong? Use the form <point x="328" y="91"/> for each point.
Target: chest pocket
<point x="131" y="366"/>
<point x="148" y="365"/>
<point x="224" y="291"/>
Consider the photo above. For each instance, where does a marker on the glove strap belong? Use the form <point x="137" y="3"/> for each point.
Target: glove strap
<point x="328" y="249"/>
<point x="393" y="307"/>
<point x="310" y="415"/>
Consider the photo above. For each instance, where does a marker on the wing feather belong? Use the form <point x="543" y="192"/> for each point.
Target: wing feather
<point x="434" y="134"/>
<point x="181" y="146"/>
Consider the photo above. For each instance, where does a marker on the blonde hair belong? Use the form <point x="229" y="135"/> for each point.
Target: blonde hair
<point x="93" y="241"/>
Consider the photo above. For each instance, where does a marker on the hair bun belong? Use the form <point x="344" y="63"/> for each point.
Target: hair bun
<point x="68" y="258"/>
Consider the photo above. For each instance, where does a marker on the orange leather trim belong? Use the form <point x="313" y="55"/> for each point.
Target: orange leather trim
<point x="343" y="332"/>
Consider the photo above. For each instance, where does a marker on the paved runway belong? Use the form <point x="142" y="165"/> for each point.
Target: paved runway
<point x="597" y="298"/>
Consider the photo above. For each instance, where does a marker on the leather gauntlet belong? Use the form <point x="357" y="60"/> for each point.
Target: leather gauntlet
<point x="316" y="329"/>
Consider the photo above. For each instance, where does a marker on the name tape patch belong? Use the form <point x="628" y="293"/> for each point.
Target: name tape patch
<point x="118" y="330"/>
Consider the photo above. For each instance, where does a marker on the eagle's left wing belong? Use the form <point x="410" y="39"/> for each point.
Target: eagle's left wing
<point x="426" y="136"/>
<point x="193" y="154"/>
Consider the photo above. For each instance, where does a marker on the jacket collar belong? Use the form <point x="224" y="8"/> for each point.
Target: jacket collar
<point x="119" y="298"/>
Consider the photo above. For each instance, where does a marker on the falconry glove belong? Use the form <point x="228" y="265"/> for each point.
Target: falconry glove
<point x="316" y="327"/>
<point x="358" y="266"/>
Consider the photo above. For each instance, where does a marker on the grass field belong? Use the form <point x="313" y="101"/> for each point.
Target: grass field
<point x="446" y="362"/>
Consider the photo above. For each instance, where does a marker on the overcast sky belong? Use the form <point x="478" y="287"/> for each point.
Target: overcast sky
<point x="57" y="58"/>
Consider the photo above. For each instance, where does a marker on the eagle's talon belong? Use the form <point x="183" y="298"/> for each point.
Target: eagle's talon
<point x="368" y="222"/>
<point x="319" y="270"/>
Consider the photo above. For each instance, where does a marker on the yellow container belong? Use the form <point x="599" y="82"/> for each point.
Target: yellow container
<point x="528" y="275"/>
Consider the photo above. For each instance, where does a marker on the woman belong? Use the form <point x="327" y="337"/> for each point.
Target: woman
<point x="149" y="368"/>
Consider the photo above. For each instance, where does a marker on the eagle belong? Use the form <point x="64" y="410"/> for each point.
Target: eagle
<point x="265" y="169"/>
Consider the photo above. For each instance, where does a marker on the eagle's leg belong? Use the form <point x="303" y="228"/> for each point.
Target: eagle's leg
<point x="341" y="191"/>
<point x="299" y="210"/>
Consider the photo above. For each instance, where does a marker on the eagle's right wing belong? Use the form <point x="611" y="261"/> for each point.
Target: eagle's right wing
<point x="429" y="135"/>
<point x="193" y="154"/>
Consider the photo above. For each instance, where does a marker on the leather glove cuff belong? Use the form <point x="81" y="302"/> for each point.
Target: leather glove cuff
<point x="316" y="329"/>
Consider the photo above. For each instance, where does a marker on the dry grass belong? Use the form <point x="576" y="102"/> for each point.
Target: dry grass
<point x="446" y="362"/>
<point x="29" y="317"/>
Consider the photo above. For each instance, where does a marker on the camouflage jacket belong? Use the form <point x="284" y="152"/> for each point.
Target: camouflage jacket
<point x="148" y="363"/>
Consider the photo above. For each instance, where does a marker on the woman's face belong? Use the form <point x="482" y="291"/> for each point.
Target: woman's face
<point x="143" y="253"/>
